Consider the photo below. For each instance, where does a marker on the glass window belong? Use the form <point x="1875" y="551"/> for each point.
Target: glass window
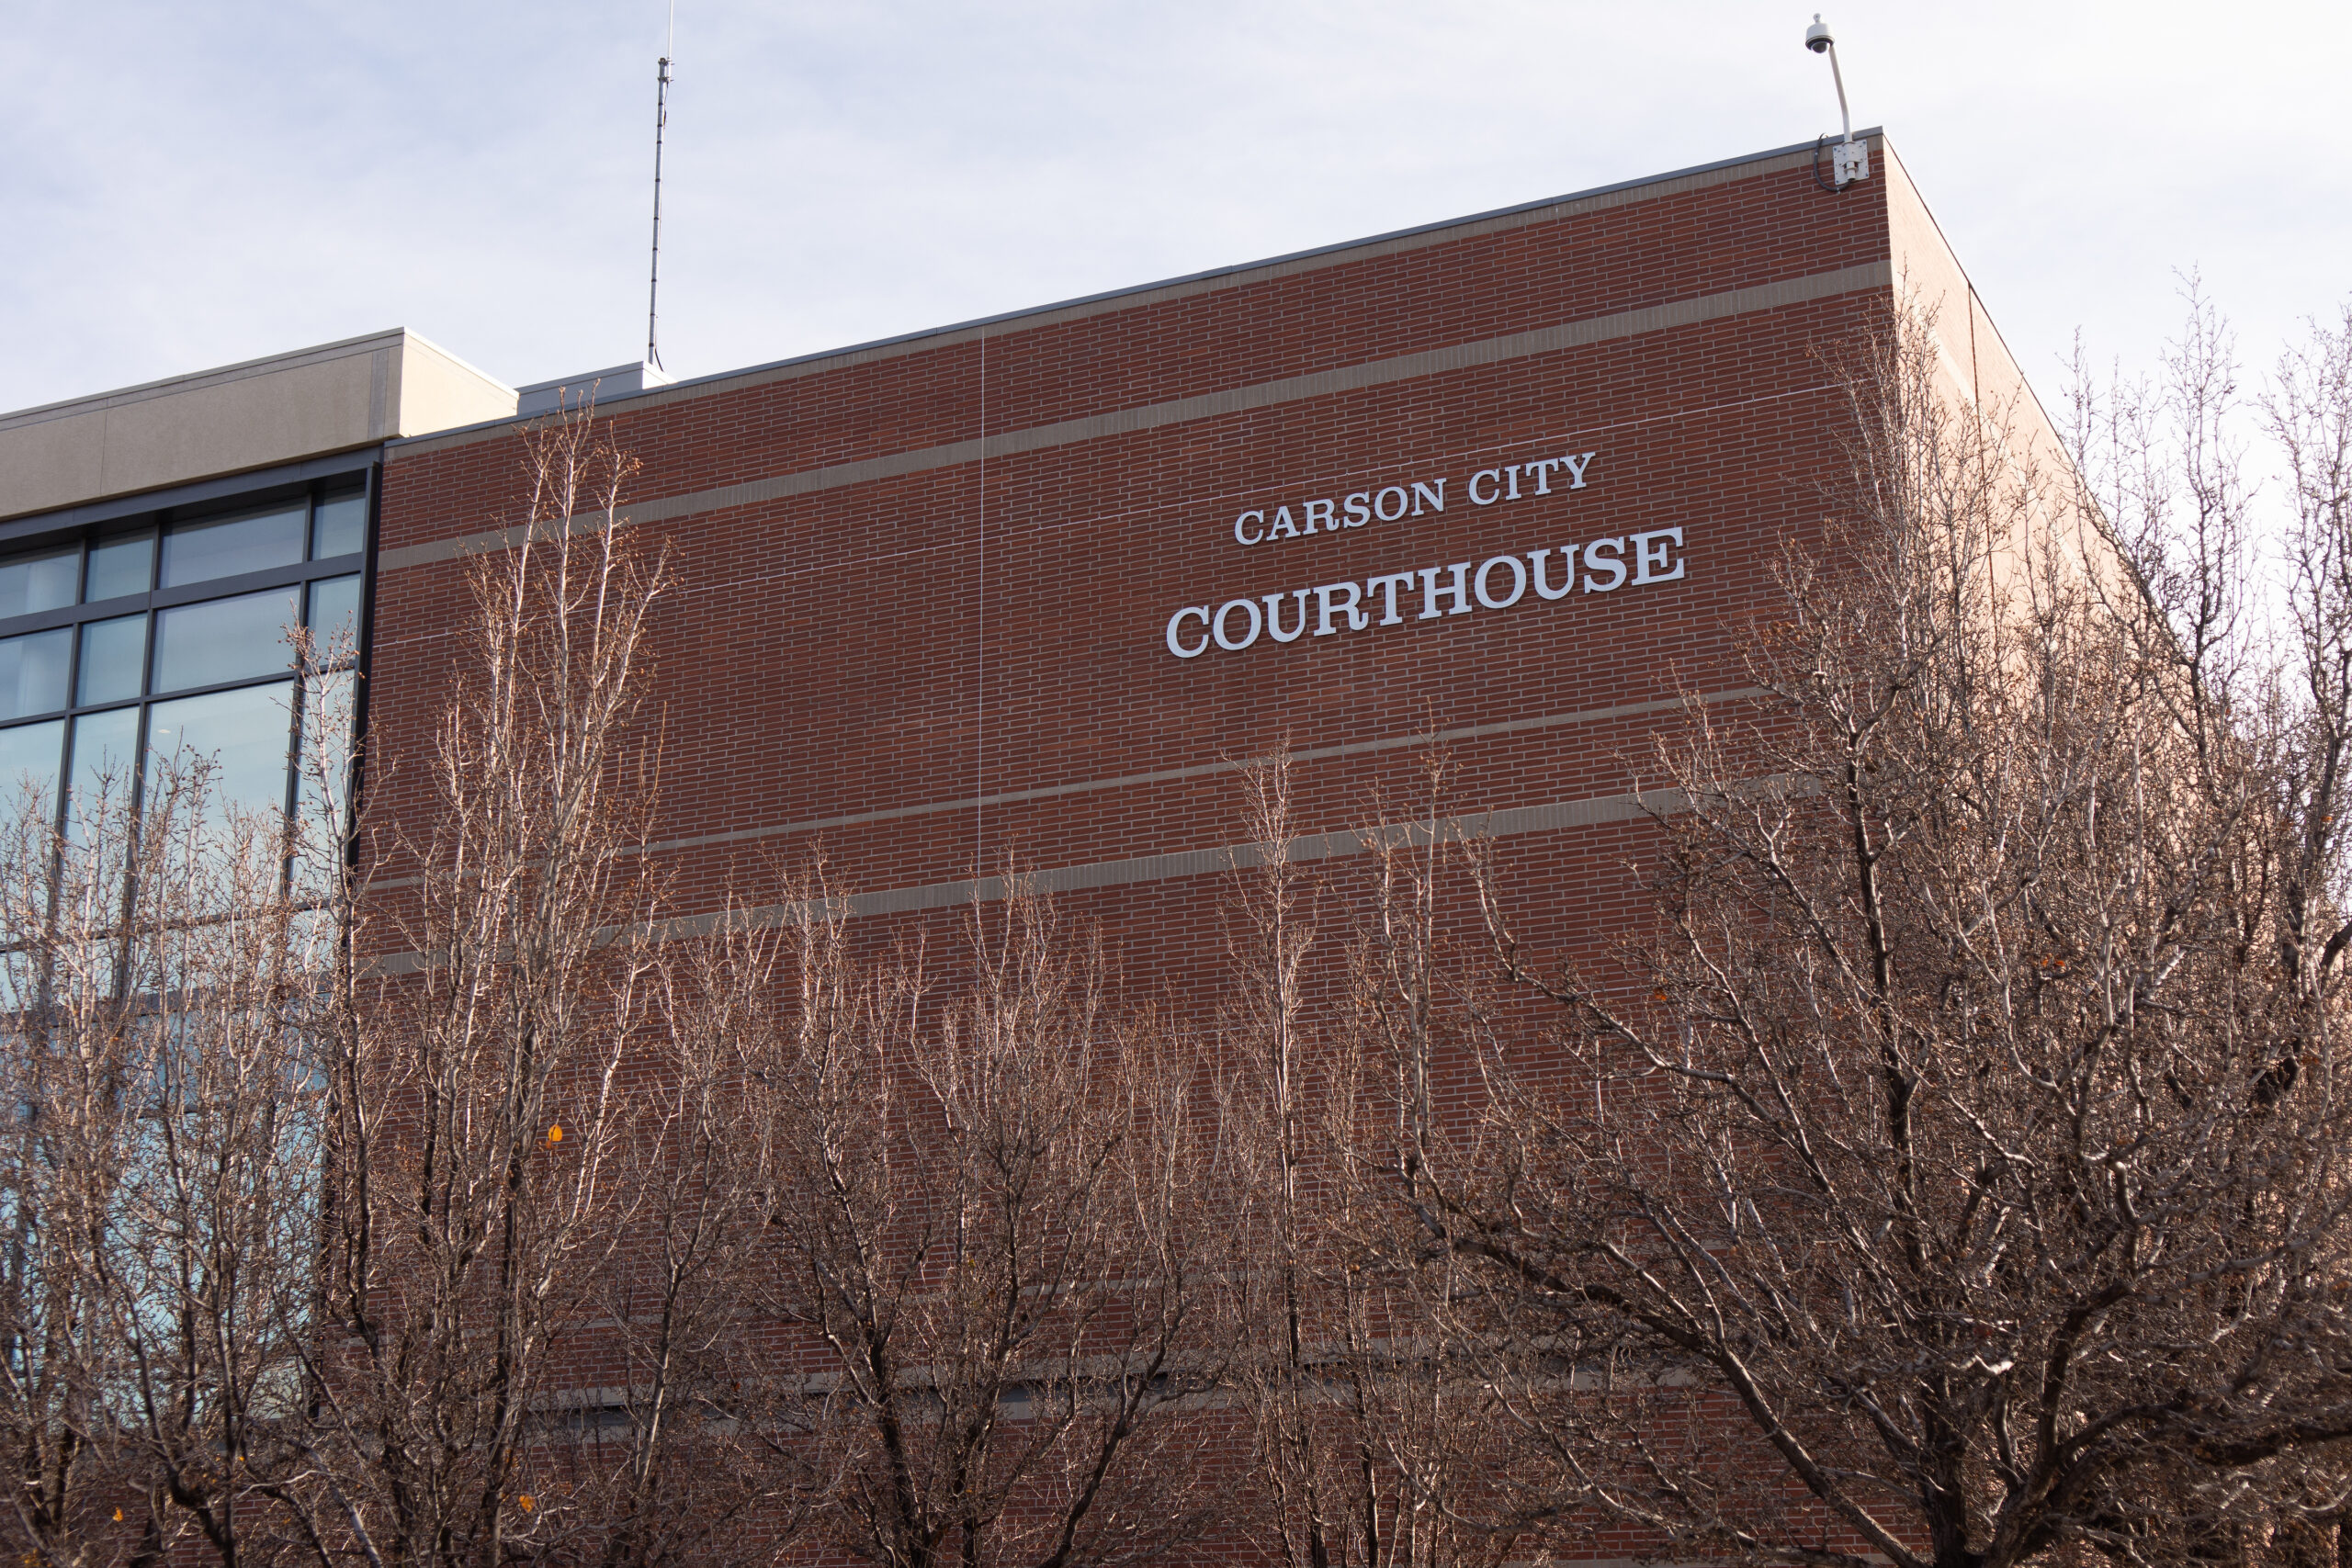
<point x="223" y="547"/>
<point x="339" y="527"/>
<point x="223" y="639"/>
<point x="32" y="671"/>
<point x="113" y="654"/>
<point x="240" y="736"/>
<point x="324" y="787"/>
<point x="227" y="664"/>
<point x="42" y="581"/>
<point x="28" y="764"/>
<point x="105" y="747"/>
<point x="326" y="741"/>
<point x="125" y="564"/>
<point x="334" y="616"/>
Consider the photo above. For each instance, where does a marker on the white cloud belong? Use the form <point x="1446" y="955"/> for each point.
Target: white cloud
<point x="188" y="187"/>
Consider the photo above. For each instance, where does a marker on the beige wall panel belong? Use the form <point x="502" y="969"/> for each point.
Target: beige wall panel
<point x="51" y="462"/>
<point x="1986" y="376"/>
<point x="439" y="391"/>
<point x="1981" y="369"/>
<point x="309" y="403"/>
<point x="1930" y="275"/>
<point x="250" y="423"/>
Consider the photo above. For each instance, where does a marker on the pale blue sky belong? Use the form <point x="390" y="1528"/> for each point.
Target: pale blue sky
<point x="183" y="185"/>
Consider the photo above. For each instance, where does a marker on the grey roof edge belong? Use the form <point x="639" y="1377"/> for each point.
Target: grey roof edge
<point x="623" y="368"/>
<point x="695" y="383"/>
<point x="342" y="348"/>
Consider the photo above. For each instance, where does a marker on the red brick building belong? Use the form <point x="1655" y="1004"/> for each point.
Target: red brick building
<point x="1029" y="592"/>
<point x="1026" y="590"/>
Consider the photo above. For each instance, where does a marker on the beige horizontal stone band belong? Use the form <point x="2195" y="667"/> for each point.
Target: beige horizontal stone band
<point x="1198" y="769"/>
<point x="1591" y="811"/>
<point x="1507" y="824"/>
<point x="1206" y="770"/>
<point x="1209" y="405"/>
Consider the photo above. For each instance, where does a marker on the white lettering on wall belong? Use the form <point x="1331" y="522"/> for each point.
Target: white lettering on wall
<point x="1544" y="590"/>
<point x="1604" y="555"/>
<point x="1274" y="615"/>
<point x="1499" y="582"/>
<point x="1387" y="587"/>
<point x="1326" y="514"/>
<point x="1454" y="590"/>
<point x="1175" y="630"/>
<point x="1226" y="640"/>
<point x="1517" y="582"/>
<point x="1325" y="602"/>
<point x="1649" y="560"/>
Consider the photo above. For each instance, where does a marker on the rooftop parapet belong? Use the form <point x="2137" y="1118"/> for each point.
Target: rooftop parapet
<point x="283" y="408"/>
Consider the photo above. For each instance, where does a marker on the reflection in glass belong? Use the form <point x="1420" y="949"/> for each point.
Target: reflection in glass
<point x="43" y="581"/>
<point x="222" y="547"/>
<point x="223" y="639"/>
<point x="327" y="746"/>
<point x="32" y="671"/>
<point x="105" y="747"/>
<point x="125" y="564"/>
<point x="334" y="617"/>
<point x="113" y="654"/>
<point x="21" y="989"/>
<point x="239" y="737"/>
<point x="324" y="786"/>
<point x="29" y="765"/>
<point x="339" y="527"/>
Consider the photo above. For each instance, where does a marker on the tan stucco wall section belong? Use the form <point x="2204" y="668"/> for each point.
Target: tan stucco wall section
<point x="1981" y="370"/>
<point x="266" y="411"/>
<point x="439" y="391"/>
<point x="1982" y="375"/>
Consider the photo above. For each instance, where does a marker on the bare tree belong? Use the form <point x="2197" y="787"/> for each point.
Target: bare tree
<point x="480" y="1029"/>
<point x="1955" y="1176"/>
<point x="2309" y="415"/>
<point x="436" y="1195"/>
<point x="204" y="1261"/>
<point x="69" y="1146"/>
<point x="985" y="1246"/>
<point x="675" y="1461"/>
<point x="1377" y="1436"/>
<point x="163" y="1165"/>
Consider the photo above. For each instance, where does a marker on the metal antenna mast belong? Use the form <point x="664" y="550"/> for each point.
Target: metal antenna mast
<point x="661" y="123"/>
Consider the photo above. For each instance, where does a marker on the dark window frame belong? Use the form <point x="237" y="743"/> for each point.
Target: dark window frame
<point x="314" y="481"/>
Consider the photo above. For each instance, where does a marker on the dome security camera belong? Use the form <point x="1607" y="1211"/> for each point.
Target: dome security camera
<point x="1851" y="159"/>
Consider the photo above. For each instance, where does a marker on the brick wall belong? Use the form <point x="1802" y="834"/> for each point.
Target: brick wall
<point x="925" y="585"/>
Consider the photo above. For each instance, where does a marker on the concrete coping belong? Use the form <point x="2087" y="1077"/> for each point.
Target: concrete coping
<point x="232" y="419"/>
